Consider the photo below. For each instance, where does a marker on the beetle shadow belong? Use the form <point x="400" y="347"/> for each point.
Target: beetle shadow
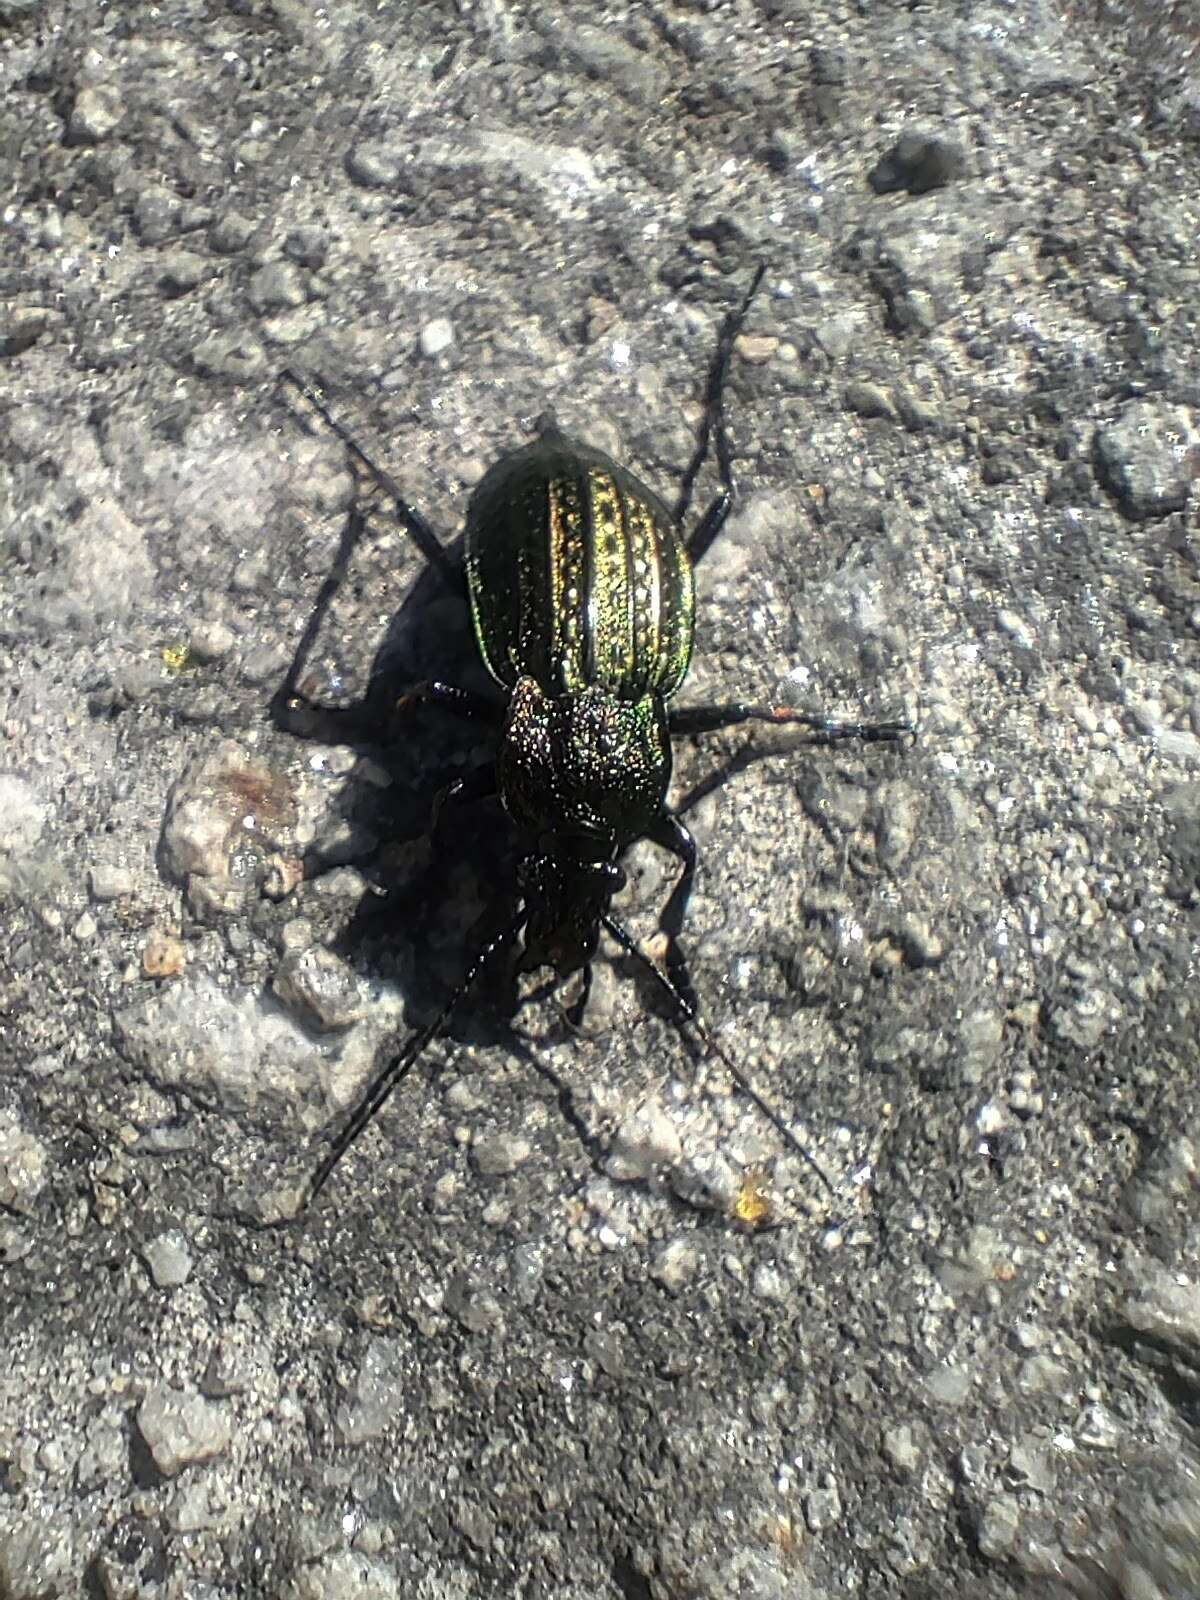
<point x="439" y="886"/>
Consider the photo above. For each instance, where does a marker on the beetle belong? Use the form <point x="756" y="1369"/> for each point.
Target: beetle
<point x="582" y="599"/>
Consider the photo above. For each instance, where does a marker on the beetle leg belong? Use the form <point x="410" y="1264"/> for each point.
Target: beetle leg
<point x="574" y="1013"/>
<point x="669" y="833"/>
<point x="414" y="524"/>
<point x="397" y="1066"/>
<point x="462" y="702"/>
<point x="686" y="1013"/>
<point x="826" y="730"/>
<point x="479" y="784"/>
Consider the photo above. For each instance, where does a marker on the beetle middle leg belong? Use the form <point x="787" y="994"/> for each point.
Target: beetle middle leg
<point x="825" y="730"/>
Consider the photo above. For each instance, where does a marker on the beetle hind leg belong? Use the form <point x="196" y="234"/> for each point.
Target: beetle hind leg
<point x="669" y="833"/>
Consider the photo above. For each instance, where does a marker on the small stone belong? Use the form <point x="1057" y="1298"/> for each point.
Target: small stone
<point x="320" y="990"/>
<point x="22" y="1165"/>
<point x="169" y="1260"/>
<point x="1149" y="457"/>
<point x="901" y="1449"/>
<point x="823" y="1506"/>
<point x="163" y="955"/>
<point x="182" y="271"/>
<point x="108" y="882"/>
<point x="869" y="400"/>
<point x="21" y="327"/>
<point x="209" y="641"/>
<point x="85" y="928"/>
<point x="498" y="1154"/>
<point x="375" y="165"/>
<point x="675" y="1264"/>
<point x="22" y="815"/>
<point x="1165" y="1308"/>
<point x="283" y="876"/>
<point x="646" y="1139"/>
<point x="918" y="163"/>
<point x="949" y="1384"/>
<point x="230" y="234"/>
<point x="920" y="945"/>
<point x="307" y="245"/>
<point x="181" y="1428"/>
<point x="998" y="1525"/>
<point x="97" y="110"/>
<point x="435" y="337"/>
<point x="276" y="287"/>
<point x="756" y="349"/>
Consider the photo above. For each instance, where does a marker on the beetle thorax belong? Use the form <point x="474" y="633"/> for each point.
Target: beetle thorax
<point x="586" y="764"/>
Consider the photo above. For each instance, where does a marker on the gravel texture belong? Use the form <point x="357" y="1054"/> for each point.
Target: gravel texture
<point x="572" y="1320"/>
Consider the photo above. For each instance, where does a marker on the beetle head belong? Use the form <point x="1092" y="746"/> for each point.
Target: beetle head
<point x="565" y="898"/>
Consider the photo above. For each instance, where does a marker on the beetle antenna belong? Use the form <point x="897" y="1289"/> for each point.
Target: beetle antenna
<point x="397" y="1068"/>
<point x="691" y="1016"/>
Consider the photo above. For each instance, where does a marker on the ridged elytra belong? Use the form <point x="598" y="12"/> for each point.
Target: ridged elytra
<point x="581" y="593"/>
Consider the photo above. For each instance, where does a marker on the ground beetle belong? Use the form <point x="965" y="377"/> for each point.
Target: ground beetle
<point x="581" y="593"/>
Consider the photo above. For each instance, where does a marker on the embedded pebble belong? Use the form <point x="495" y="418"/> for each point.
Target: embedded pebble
<point x="646" y="1139"/>
<point x="241" y="1052"/>
<point x="97" y="110"/>
<point x="169" y="1259"/>
<point x="435" y="337"/>
<point x="917" y="163"/>
<point x="675" y="1264"/>
<point x="307" y="245"/>
<point x="22" y="815"/>
<point x="163" y="955"/>
<point x="380" y="1392"/>
<point x="1164" y="1308"/>
<point x="276" y="287"/>
<point x="1149" y="457"/>
<point x="997" y="1526"/>
<point x="230" y="233"/>
<point x="376" y="165"/>
<point x="949" y="1384"/>
<point x="320" y="990"/>
<point x="869" y="400"/>
<point x="22" y="1165"/>
<point x="181" y="1428"/>
<point x="497" y="1154"/>
<point x="225" y="802"/>
<point x="901" y="1448"/>
<point x="107" y="882"/>
<point x="209" y="641"/>
<point x="182" y="271"/>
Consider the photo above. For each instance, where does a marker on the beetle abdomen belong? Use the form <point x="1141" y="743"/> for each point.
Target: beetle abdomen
<point x="578" y="575"/>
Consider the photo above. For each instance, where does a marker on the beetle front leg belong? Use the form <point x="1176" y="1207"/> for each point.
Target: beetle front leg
<point x="474" y="786"/>
<point x="669" y="833"/>
<point x="462" y="702"/>
<point x="825" y="730"/>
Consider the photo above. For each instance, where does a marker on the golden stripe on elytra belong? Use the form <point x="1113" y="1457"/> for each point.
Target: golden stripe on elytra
<point x="568" y="581"/>
<point x="612" y="590"/>
<point x="645" y="589"/>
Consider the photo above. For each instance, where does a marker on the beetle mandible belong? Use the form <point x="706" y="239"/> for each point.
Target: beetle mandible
<point x="580" y="584"/>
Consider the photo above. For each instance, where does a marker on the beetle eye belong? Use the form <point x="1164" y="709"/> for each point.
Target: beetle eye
<point x="616" y="878"/>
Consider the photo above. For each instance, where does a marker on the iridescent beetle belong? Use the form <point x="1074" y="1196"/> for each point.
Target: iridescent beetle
<point x="582" y="598"/>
